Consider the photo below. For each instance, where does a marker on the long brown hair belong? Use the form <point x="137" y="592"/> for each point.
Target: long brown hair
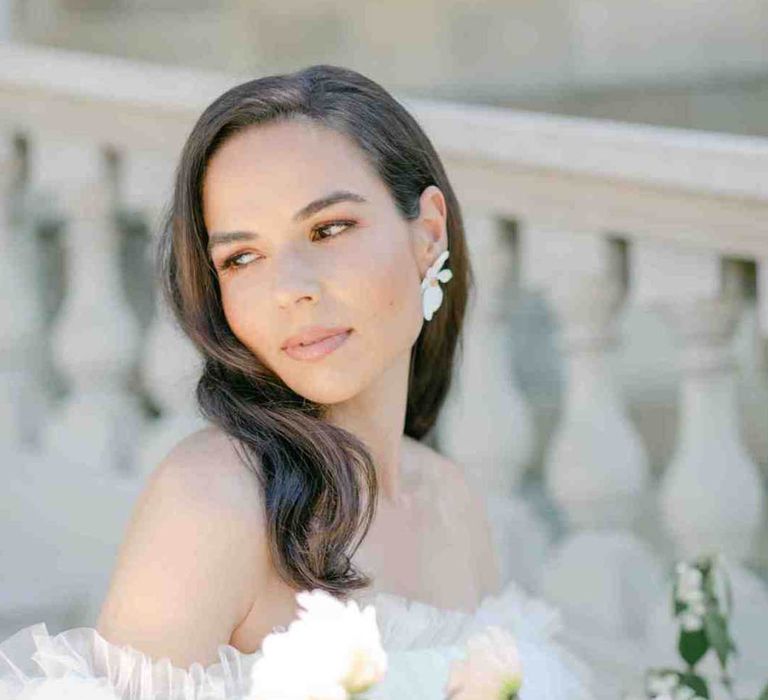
<point x="318" y="480"/>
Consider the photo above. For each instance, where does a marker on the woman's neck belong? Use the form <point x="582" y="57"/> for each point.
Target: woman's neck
<point x="376" y="416"/>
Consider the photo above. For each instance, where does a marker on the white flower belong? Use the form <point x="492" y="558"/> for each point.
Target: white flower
<point x="432" y="294"/>
<point x="491" y="668"/>
<point x="276" y="675"/>
<point x="331" y="650"/>
<point x="691" y="622"/>
<point x="667" y="686"/>
<point x="357" y="630"/>
<point x="689" y="582"/>
<point x="690" y="592"/>
<point x="662" y="684"/>
<point x="692" y="617"/>
<point x="69" y="688"/>
<point x="692" y="596"/>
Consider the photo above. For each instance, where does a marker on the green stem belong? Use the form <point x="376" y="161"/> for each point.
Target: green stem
<point x="727" y="682"/>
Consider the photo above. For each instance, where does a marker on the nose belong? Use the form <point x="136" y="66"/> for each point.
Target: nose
<point x="295" y="279"/>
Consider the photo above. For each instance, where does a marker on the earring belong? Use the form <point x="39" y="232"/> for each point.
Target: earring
<point x="431" y="293"/>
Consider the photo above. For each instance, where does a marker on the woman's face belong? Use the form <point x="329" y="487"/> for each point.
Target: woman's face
<point x="355" y="263"/>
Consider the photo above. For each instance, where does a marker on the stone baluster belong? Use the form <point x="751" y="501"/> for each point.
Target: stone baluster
<point x="95" y="334"/>
<point x="170" y="364"/>
<point x="602" y="575"/>
<point x="711" y="494"/>
<point x="170" y="369"/>
<point x="22" y="401"/>
<point x="596" y="468"/>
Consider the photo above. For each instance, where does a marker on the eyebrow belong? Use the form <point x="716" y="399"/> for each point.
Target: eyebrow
<point x="222" y="237"/>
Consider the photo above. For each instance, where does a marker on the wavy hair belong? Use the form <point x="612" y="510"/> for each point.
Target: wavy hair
<point x="318" y="480"/>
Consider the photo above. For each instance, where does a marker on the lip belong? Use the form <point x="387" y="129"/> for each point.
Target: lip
<point x="320" y="348"/>
<point x="311" y="334"/>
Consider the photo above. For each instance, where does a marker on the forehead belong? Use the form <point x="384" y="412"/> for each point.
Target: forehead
<point x="284" y="164"/>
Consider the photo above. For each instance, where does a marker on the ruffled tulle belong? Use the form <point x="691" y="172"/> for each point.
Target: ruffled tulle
<point x="421" y="641"/>
<point x="32" y="654"/>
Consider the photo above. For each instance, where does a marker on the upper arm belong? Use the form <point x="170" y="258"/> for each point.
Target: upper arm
<point x="192" y="557"/>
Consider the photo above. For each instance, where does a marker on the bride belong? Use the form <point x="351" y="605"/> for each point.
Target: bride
<point x="314" y="253"/>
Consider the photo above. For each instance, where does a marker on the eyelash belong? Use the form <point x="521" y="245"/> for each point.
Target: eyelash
<point x="230" y="265"/>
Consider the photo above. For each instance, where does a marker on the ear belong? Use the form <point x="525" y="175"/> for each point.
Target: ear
<point x="430" y="228"/>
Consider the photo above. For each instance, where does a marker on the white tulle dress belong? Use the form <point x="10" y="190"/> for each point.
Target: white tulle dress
<point x="421" y="641"/>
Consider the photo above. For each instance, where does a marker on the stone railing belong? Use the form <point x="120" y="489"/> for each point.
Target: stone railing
<point x="600" y="231"/>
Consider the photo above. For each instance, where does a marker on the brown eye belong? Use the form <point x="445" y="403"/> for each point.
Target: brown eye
<point x="231" y="262"/>
<point x="331" y="224"/>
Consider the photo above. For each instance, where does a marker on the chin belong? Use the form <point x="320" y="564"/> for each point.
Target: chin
<point x="326" y="388"/>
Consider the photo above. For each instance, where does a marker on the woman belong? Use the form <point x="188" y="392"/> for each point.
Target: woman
<point x="314" y="253"/>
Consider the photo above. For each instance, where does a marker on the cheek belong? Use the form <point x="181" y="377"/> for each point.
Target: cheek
<point x="390" y="293"/>
<point x="242" y="311"/>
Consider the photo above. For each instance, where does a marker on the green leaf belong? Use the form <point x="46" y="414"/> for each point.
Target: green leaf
<point x="717" y="634"/>
<point x="695" y="683"/>
<point x="692" y="646"/>
<point x="728" y="591"/>
<point x="764" y="694"/>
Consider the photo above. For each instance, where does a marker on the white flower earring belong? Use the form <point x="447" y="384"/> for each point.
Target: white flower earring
<point x="431" y="293"/>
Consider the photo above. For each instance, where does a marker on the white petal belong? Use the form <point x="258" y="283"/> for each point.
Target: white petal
<point x="491" y="666"/>
<point x="693" y="595"/>
<point x="432" y="298"/>
<point x="440" y="260"/>
<point x="690" y="577"/>
<point x="691" y="622"/>
<point x="659" y="683"/>
<point x="684" y="693"/>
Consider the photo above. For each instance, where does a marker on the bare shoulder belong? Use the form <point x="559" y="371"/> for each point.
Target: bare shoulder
<point x="441" y="470"/>
<point x="192" y="556"/>
<point x="453" y="479"/>
<point x="208" y="464"/>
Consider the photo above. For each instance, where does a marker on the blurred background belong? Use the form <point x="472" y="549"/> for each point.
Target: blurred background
<point x="612" y="400"/>
<point x="680" y="63"/>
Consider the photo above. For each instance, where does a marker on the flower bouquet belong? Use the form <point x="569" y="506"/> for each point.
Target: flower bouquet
<point x="338" y="650"/>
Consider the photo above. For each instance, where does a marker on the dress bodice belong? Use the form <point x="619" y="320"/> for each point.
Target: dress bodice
<point x="421" y="641"/>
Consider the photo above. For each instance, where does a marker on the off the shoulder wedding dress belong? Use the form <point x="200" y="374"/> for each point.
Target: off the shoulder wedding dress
<point x="421" y="640"/>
